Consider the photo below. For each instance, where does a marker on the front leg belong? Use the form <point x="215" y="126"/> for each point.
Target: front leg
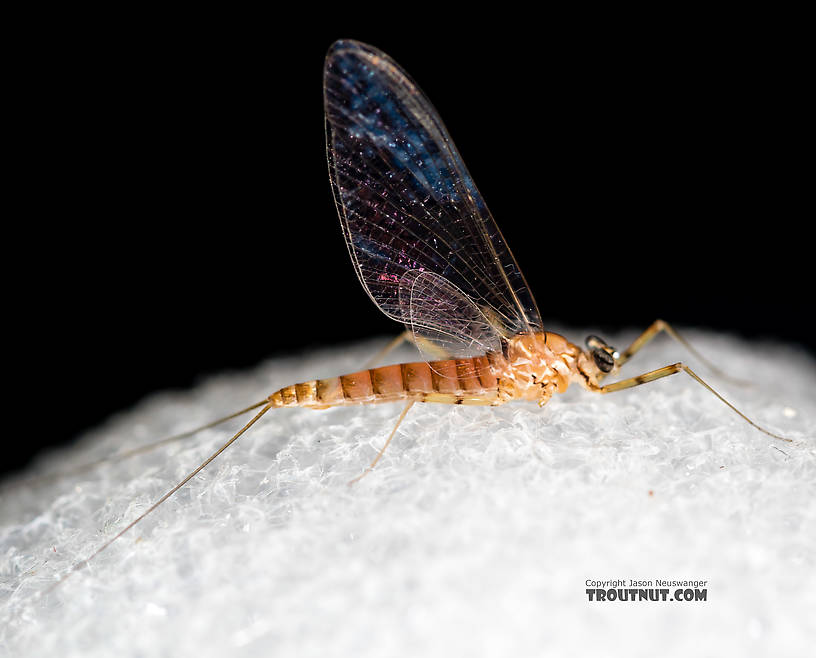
<point x="656" y="327"/>
<point x="673" y="369"/>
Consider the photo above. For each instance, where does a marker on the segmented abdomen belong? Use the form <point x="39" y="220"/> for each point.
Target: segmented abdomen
<point x="454" y="381"/>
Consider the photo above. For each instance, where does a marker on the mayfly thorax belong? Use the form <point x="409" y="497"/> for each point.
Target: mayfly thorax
<point x="430" y="255"/>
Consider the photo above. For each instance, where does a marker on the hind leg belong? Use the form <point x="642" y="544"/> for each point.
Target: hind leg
<point x="387" y="441"/>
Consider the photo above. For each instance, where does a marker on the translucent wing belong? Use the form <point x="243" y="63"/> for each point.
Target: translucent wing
<point x="438" y="312"/>
<point x="407" y="204"/>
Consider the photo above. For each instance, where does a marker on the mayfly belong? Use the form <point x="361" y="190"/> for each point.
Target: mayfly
<point x="429" y="254"/>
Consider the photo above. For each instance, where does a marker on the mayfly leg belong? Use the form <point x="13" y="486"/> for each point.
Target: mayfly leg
<point x="385" y="445"/>
<point x="660" y="325"/>
<point x="666" y="371"/>
<point x="404" y="337"/>
<point x="38" y="480"/>
<point x="424" y="345"/>
<point x="272" y="401"/>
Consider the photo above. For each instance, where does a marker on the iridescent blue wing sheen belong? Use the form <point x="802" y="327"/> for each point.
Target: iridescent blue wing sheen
<point x="407" y="203"/>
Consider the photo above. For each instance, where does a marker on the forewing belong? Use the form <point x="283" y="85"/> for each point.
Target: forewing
<point x="407" y="203"/>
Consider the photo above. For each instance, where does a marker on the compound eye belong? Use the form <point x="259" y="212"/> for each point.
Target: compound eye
<point x="603" y="360"/>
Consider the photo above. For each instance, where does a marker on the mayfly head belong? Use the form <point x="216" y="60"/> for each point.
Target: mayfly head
<point x="605" y="356"/>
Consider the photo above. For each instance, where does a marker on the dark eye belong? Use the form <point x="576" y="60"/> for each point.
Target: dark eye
<point x="603" y="360"/>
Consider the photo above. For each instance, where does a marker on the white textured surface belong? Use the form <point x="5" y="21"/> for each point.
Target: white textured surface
<point x="474" y="536"/>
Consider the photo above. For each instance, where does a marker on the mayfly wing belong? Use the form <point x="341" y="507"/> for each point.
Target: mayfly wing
<point x="438" y="312"/>
<point x="407" y="204"/>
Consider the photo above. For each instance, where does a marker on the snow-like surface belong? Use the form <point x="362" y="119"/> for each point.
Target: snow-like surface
<point x="475" y="535"/>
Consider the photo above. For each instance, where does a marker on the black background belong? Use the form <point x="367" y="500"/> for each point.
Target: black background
<point x="172" y="215"/>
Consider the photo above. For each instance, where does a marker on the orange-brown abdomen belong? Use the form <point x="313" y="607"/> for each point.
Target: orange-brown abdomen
<point x="453" y="381"/>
